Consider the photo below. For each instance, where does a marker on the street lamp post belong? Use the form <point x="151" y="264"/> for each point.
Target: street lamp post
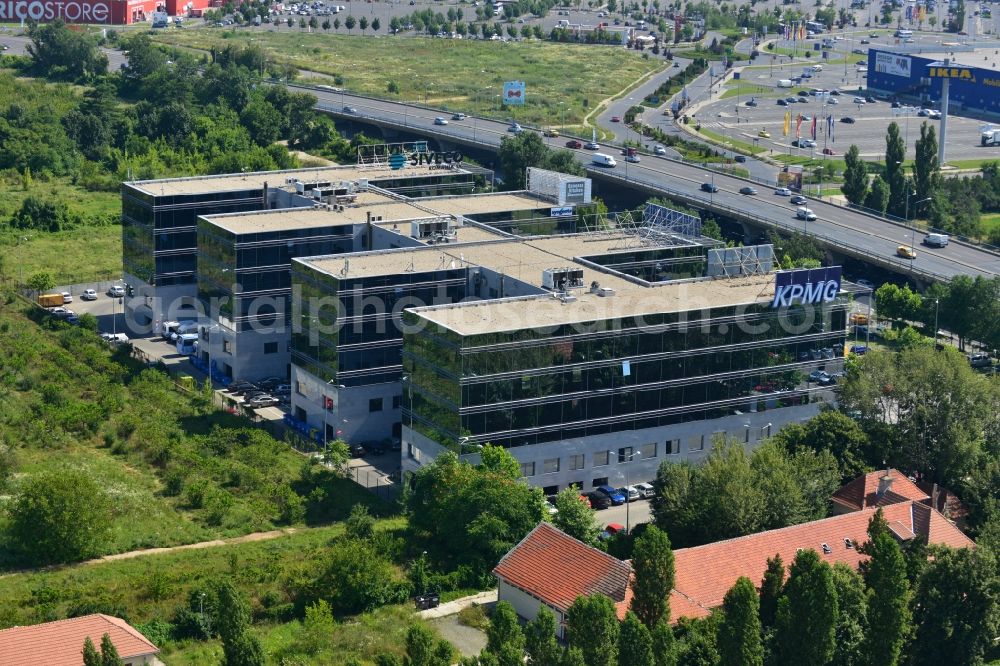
<point x="628" y="504"/>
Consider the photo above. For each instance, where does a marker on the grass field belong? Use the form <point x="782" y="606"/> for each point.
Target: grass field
<point x="747" y="90"/>
<point x="452" y="74"/>
<point x="86" y="254"/>
<point x="990" y="222"/>
<point x="730" y="142"/>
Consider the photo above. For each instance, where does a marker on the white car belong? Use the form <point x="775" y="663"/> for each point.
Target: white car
<point x="515" y="128"/>
<point x="859" y="100"/>
<point x="67" y="297"/>
<point x="632" y="158"/>
<point x="116" y="291"/>
<point x="934" y="114"/>
<point x="440" y="121"/>
<point x="89" y="295"/>
<point x="645" y="489"/>
<point x="660" y="150"/>
<point x="783" y="191"/>
<point x="805" y="214"/>
<point x="832" y="100"/>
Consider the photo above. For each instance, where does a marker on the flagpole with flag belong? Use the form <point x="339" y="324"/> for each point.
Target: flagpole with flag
<point x="814" y="128"/>
<point x="788" y="121"/>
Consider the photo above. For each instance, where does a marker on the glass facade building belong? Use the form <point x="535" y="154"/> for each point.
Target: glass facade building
<point x="525" y="387"/>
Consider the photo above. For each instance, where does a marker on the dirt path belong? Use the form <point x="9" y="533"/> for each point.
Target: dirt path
<point x="246" y="538"/>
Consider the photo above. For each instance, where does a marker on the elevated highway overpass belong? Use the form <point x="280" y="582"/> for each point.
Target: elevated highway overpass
<point x="842" y="230"/>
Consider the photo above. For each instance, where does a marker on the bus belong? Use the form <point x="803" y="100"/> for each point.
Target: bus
<point x="904" y="33"/>
<point x="815" y="26"/>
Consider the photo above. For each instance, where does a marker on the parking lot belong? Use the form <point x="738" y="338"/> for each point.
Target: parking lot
<point x="739" y="118"/>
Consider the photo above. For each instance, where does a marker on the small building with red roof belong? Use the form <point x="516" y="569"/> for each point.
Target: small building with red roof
<point x="879" y="488"/>
<point x="549" y="567"/>
<point x="60" y="643"/>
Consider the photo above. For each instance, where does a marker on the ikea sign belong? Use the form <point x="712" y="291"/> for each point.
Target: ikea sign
<point x="806" y="286"/>
<point x="960" y="73"/>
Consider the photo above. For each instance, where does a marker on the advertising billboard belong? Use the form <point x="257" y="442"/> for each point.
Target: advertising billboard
<point x="513" y="93"/>
<point x="806" y="286"/>
<point x="892" y="63"/>
<point x="71" y="11"/>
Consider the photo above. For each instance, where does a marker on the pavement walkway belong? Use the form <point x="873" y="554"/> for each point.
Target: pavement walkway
<point x="456" y="605"/>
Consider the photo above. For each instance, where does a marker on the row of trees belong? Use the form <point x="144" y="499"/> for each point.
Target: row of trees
<point x="953" y="205"/>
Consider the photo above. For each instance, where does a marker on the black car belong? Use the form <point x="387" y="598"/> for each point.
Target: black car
<point x="848" y="120"/>
<point x="782" y="102"/>
<point x="835" y="92"/>
<point x="797" y="200"/>
<point x="870" y="99"/>
<point x="599" y="501"/>
<point x="751" y="102"/>
<point x="746" y="189"/>
<point x="741" y="158"/>
<point x="357" y="450"/>
<point x="709" y="187"/>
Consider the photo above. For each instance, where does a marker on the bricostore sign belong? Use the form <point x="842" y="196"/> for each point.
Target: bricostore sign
<point x="37" y="10"/>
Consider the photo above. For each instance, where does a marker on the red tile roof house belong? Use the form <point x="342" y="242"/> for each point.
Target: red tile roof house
<point x="550" y="567"/>
<point x="60" y="643"/>
<point x="879" y="488"/>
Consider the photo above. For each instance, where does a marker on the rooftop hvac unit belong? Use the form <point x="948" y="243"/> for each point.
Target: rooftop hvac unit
<point x="603" y="292"/>
<point x="561" y="279"/>
<point x="362" y="183"/>
<point x="429" y="228"/>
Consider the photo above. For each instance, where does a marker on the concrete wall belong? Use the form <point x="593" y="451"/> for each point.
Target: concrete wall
<point x="349" y="418"/>
<point x="746" y="428"/>
<point x="149" y="305"/>
<point x="246" y="356"/>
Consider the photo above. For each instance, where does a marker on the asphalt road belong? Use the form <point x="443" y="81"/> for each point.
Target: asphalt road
<point x="842" y="226"/>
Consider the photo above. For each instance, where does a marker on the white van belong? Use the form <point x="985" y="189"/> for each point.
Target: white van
<point x="602" y="160"/>
<point x="936" y="240"/>
<point x="187" y="343"/>
<point x="784" y="83"/>
<point x="562" y="23"/>
<point x="817" y="68"/>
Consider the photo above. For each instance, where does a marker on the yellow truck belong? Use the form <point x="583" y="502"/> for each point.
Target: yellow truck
<point x="50" y="300"/>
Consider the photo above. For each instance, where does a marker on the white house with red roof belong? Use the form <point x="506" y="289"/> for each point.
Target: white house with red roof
<point x="550" y="567"/>
<point x="60" y="643"/>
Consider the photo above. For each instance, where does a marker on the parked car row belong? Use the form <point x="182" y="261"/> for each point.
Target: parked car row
<point x="265" y="393"/>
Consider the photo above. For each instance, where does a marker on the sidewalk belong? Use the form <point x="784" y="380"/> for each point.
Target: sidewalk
<point x="453" y="607"/>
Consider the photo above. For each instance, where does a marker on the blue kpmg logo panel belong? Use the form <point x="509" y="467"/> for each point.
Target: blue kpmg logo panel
<point x="513" y="93"/>
<point x="808" y="285"/>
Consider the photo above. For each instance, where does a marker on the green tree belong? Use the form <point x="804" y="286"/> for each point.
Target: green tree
<point x="240" y="646"/>
<point x="540" y="642"/>
<point x="653" y="570"/>
<point x="356" y="577"/>
<point x="807" y="613"/>
<point x="895" y="175"/>
<point x="888" y="601"/>
<point x="664" y="645"/>
<point x="363" y="24"/>
<point x="504" y="638"/>
<point x="855" y="186"/>
<point x="572" y="656"/>
<point x="317" y="628"/>
<point x="360" y="524"/>
<point x="771" y="588"/>
<point x="955" y="608"/>
<point x="575" y="517"/>
<point x="422" y="649"/>
<point x="898" y="303"/>
<point x="851" y="623"/>
<point x="350" y="22"/>
<point x="471" y="515"/>
<point x="926" y="170"/>
<point x="830" y="431"/>
<point x="39" y="282"/>
<point x="517" y="153"/>
<point x="635" y="645"/>
<point x="58" y="52"/>
<point x="592" y="625"/>
<point x="109" y="654"/>
<point x="376" y="24"/>
<point x="91" y="657"/>
<point x="877" y="198"/>
<point x="60" y="517"/>
<point x="740" y="642"/>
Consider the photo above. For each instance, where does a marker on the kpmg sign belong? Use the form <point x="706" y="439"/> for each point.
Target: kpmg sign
<point x="808" y="285"/>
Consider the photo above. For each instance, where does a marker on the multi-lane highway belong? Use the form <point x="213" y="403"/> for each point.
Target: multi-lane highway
<point x="848" y="231"/>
